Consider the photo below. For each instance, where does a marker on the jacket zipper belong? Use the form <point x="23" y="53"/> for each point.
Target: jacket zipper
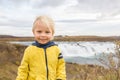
<point x="46" y="64"/>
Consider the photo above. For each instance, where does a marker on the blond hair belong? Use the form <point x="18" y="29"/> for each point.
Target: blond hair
<point x="45" y="20"/>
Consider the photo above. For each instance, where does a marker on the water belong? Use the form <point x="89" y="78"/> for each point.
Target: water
<point x="85" y="49"/>
<point x="82" y="52"/>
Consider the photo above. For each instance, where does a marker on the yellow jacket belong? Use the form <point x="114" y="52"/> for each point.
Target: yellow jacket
<point x="42" y="62"/>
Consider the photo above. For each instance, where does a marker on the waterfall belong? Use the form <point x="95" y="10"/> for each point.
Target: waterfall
<point x="85" y="49"/>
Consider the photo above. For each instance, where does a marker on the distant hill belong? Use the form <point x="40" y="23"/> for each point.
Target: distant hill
<point x="87" y="38"/>
<point x="116" y="37"/>
<point x="6" y="36"/>
<point x="62" y="38"/>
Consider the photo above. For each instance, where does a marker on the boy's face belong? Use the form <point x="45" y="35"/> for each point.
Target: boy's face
<point x="42" y="33"/>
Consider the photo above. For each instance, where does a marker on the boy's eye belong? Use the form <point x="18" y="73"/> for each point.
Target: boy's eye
<point x="39" y="31"/>
<point x="47" y="32"/>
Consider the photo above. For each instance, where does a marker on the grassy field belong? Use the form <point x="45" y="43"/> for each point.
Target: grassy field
<point x="11" y="54"/>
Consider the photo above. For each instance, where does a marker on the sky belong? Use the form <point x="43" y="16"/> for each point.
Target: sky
<point x="72" y="17"/>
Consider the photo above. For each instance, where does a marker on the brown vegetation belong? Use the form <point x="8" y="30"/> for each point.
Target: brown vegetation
<point x="10" y="56"/>
<point x="63" y="38"/>
<point x="3" y="39"/>
<point x="84" y="38"/>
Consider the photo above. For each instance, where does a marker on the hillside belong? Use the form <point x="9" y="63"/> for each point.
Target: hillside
<point x="11" y="55"/>
<point x="6" y="36"/>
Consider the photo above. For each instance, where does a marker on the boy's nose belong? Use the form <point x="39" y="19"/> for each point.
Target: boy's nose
<point x="43" y="34"/>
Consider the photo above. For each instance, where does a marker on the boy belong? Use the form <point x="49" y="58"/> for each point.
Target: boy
<point x="42" y="60"/>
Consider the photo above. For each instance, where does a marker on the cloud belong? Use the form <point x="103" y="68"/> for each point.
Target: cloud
<point x="63" y="8"/>
<point x="98" y="5"/>
<point x="13" y="3"/>
<point x="105" y="9"/>
<point x="46" y="3"/>
<point x="21" y="13"/>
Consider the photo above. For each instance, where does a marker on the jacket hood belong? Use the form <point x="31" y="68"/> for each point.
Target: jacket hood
<point x="51" y="43"/>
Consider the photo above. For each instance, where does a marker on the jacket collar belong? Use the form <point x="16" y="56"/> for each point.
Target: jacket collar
<point x="51" y="43"/>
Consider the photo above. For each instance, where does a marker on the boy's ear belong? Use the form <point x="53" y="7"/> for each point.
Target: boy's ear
<point x="52" y="38"/>
<point x="33" y="30"/>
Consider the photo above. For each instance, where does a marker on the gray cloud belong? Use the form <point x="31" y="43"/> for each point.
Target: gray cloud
<point x="98" y="5"/>
<point x="21" y="13"/>
<point x="47" y="3"/>
<point x="13" y="3"/>
<point x="33" y="3"/>
<point x="105" y="8"/>
<point x="11" y="8"/>
<point x="14" y="21"/>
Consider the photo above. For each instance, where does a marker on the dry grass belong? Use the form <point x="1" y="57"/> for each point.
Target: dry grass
<point x="62" y="38"/>
<point x="10" y="56"/>
<point x="16" y="39"/>
<point x="83" y="38"/>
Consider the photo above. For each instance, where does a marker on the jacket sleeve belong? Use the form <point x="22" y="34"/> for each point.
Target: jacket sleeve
<point x="23" y="68"/>
<point x="61" y="72"/>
